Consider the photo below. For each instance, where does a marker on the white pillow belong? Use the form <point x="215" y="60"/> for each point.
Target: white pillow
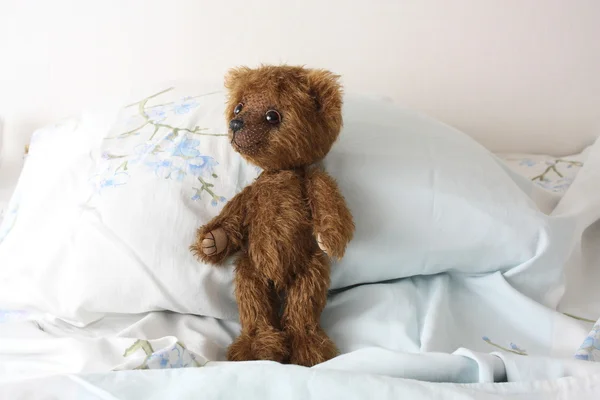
<point x="108" y="204"/>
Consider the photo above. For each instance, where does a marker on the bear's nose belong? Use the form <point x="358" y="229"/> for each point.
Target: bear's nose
<point x="236" y="124"/>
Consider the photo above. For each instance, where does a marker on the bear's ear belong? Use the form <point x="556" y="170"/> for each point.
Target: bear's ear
<point x="234" y="76"/>
<point x="325" y="89"/>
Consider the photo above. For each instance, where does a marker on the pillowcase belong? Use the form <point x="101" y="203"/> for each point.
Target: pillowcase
<point x="426" y="199"/>
<point x="108" y="204"/>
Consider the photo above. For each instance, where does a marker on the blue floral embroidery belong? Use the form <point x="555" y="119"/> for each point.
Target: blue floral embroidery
<point x="185" y="105"/>
<point x="177" y="160"/>
<point x="175" y="356"/>
<point x="513" y="347"/>
<point x="527" y="162"/>
<point x="550" y="174"/>
<point x="560" y="185"/>
<point x="221" y="199"/>
<point x="590" y="348"/>
<point x="552" y="169"/>
<point x="175" y="155"/>
<point x="202" y="166"/>
<point x="162" y="168"/>
<point x="117" y="179"/>
<point x="517" y="348"/>
<point x="186" y="148"/>
<point x="157" y="114"/>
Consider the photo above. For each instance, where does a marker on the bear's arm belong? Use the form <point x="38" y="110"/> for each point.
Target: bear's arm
<point x="332" y="221"/>
<point x="231" y="220"/>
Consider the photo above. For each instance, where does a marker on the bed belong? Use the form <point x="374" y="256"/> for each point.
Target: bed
<point x="481" y="281"/>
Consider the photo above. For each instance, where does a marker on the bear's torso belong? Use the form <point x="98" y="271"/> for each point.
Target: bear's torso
<point x="279" y="227"/>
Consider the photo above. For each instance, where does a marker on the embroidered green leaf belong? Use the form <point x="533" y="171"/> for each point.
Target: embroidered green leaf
<point x="123" y="165"/>
<point x="139" y="344"/>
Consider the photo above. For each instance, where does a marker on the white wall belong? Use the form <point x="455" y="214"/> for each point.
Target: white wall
<point x="515" y="74"/>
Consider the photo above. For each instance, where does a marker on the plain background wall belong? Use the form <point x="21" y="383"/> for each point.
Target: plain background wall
<point x="517" y="75"/>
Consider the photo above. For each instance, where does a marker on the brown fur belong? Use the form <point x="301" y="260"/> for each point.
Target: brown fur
<point x="274" y="223"/>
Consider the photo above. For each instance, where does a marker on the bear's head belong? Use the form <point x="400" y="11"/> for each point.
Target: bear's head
<point x="283" y="117"/>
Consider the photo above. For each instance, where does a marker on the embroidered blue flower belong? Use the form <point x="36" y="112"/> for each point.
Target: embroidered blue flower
<point x="156" y="114"/>
<point x="186" y="148"/>
<point x="591" y="342"/>
<point x="143" y="150"/>
<point x="513" y="347"/>
<point x="171" y="136"/>
<point x="590" y="348"/>
<point x="186" y="104"/>
<point x="527" y="162"/>
<point x="176" y="359"/>
<point x="516" y="348"/>
<point x="215" y="201"/>
<point x="560" y="185"/>
<point x="173" y="357"/>
<point x="177" y="174"/>
<point x="117" y="179"/>
<point x="593" y="339"/>
<point x="163" y="360"/>
<point x="162" y="168"/>
<point x="202" y="166"/>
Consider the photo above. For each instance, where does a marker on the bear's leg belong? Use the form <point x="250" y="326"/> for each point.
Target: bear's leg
<point x="258" y="305"/>
<point x="306" y="299"/>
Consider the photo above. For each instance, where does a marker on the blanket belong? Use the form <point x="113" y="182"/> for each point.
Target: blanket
<point x="464" y="329"/>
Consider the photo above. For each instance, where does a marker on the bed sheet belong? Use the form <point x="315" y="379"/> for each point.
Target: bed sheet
<point x="269" y="381"/>
<point x="442" y="328"/>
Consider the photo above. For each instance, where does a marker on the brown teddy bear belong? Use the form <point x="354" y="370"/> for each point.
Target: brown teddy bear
<point x="283" y="226"/>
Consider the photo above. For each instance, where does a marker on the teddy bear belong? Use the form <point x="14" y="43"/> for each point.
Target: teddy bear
<point x="285" y="226"/>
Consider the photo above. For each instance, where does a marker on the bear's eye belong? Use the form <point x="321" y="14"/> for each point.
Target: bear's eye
<point x="238" y="108"/>
<point x="273" y="117"/>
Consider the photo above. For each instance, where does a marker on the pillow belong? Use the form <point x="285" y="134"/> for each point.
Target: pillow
<point x="109" y="202"/>
<point x="426" y="199"/>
